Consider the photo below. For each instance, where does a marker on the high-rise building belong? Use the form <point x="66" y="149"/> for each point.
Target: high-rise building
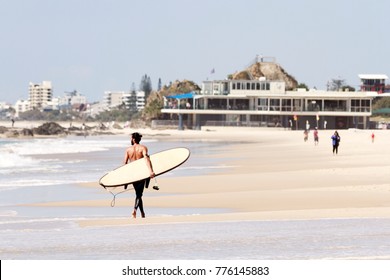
<point x="40" y="94"/>
<point x="113" y="99"/>
<point x="134" y="100"/>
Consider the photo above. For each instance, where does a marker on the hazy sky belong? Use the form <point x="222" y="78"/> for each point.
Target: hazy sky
<point x="97" y="45"/>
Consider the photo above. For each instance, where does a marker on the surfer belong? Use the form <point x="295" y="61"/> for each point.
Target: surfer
<point x="135" y="152"/>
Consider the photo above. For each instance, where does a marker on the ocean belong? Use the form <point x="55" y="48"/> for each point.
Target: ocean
<point x="49" y="170"/>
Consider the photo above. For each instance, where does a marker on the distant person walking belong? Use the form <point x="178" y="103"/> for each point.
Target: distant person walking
<point x="315" y="133"/>
<point x="13" y="122"/>
<point x="372" y="137"/>
<point x="305" y="135"/>
<point x="335" y="142"/>
<point x="307" y="126"/>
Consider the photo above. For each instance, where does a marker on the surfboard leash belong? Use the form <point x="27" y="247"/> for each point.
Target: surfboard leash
<point x="115" y="194"/>
<point x="155" y="187"/>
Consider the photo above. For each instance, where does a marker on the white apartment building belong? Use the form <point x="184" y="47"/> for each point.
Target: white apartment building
<point x="21" y="106"/>
<point x="73" y="98"/>
<point x="40" y="95"/>
<point x="69" y="100"/>
<point x="4" y="106"/>
<point x="132" y="100"/>
<point x="135" y="100"/>
<point x="113" y="99"/>
<point x="140" y="103"/>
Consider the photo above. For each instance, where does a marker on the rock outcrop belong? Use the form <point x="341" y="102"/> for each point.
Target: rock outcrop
<point x="270" y="71"/>
<point x="49" y="128"/>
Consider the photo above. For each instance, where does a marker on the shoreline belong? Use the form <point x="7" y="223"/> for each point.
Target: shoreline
<point x="272" y="175"/>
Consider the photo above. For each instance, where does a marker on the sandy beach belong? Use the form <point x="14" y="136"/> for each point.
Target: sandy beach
<point x="244" y="193"/>
<point x="272" y="175"/>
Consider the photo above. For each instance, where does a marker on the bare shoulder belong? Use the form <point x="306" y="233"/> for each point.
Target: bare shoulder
<point x="144" y="150"/>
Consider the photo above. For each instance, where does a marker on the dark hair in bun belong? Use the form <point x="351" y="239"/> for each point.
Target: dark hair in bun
<point x="137" y="137"/>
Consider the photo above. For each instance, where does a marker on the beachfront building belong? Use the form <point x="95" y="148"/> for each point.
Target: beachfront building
<point x="113" y="99"/>
<point x="373" y="82"/>
<point x="4" y="110"/>
<point x="73" y="98"/>
<point x="21" y="106"/>
<point x="264" y="103"/>
<point x="40" y="95"/>
<point x="134" y="100"/>
<point x="70" y="101"/>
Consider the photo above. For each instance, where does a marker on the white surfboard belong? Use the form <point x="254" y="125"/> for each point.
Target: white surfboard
<point x="134" y="171"/>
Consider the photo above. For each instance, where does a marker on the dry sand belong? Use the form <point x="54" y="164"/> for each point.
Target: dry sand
<point x="271" y="175"/>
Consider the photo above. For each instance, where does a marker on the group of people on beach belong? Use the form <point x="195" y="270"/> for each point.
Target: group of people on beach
<point x="335" y="139"/>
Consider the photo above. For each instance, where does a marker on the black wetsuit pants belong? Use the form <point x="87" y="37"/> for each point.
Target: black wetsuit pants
<point x="139" y="190"/>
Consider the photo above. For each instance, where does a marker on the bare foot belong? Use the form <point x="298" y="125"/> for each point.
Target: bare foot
<point x="134" y="214"/>
<point x="143" y="215"/>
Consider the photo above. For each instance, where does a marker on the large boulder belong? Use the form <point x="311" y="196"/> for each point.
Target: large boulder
<point x="49" y="128"/>
<point x="27" y="132"/>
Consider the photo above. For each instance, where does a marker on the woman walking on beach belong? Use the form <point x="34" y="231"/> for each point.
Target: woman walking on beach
<point x="335" y="141"/>
<point x="135" y="152"/>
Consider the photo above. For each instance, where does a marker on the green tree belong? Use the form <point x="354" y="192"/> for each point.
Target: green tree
<point x="336" y="84"/>
<point x="146" y="85"/>
<point x="154" y="106"/>
<point x="380" y="103"/>
<point x="119" y="114"/>
<point x="303" y="85"/>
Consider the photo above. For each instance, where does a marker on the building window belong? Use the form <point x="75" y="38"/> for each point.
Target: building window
<point x="314" y="104"/>
<point x="358" y="105"/>
<point x="274" y="104"/>
<point x="297" y="105"/>
<point x="262" y="104"/>
<point x="286" y="105"/>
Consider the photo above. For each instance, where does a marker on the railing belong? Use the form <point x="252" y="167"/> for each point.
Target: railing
<point x="175" y="124"/>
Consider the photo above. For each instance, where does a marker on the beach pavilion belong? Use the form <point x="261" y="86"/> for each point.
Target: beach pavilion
<point x="263" y="103"/>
